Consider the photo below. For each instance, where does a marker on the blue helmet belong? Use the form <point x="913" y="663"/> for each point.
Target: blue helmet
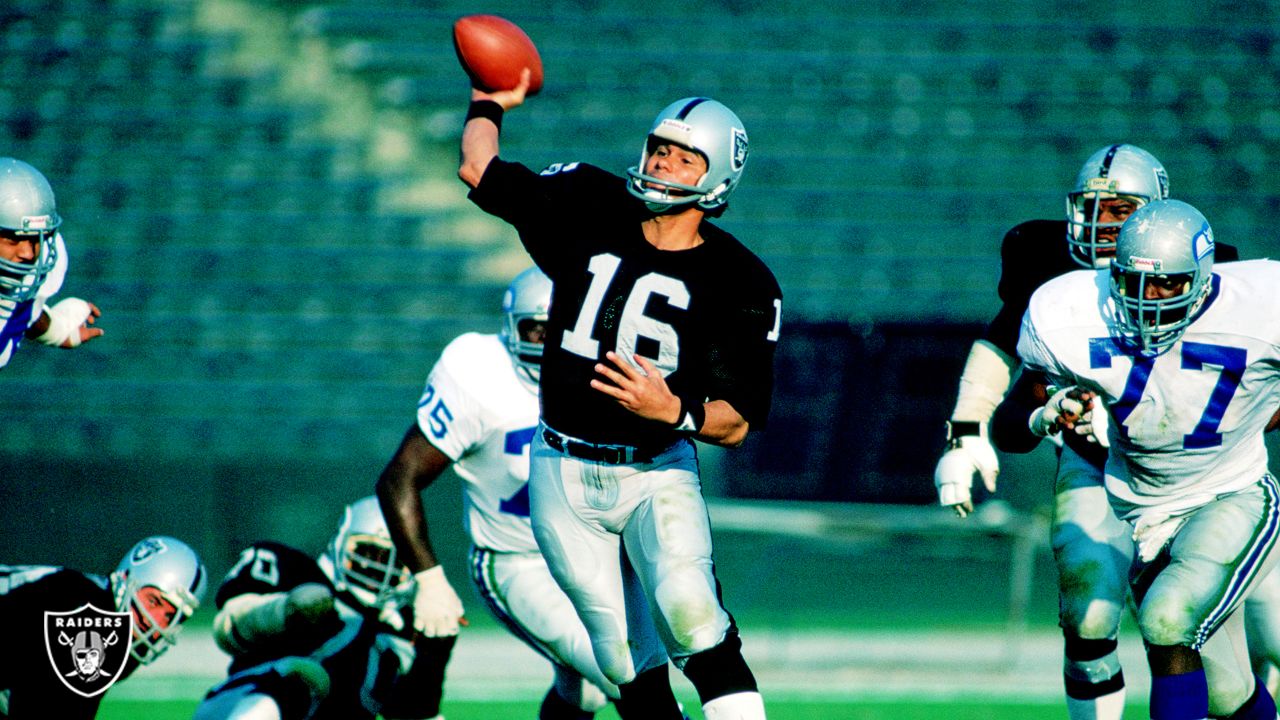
<point x="708" y="128"/>
<point x="1113" y="171"/>
<point x="27" y="211"/>
<point x="1170" y="243"/>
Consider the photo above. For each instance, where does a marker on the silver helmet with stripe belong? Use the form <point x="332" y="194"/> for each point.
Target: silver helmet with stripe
<point x="1115" y="181"/>
<point x="704" y="126"/>
<point x="161" y="583"/>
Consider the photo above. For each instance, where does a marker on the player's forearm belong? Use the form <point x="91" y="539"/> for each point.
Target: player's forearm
<point x="983" y="382"/>
<point x="479" y="148"/>
<point x="399" y="490"/>
<point x="723" y="426"/>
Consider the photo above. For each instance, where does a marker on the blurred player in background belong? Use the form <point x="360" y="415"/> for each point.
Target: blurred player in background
<point x="662" y="329"/>
<point x="478" y="414"/>
<point x="33" y="265"/>
<point x="1174" y="367"/>
<point x="160" y="583"/>
<point x="329" y="638"/>
<point x="1087" y="538"/>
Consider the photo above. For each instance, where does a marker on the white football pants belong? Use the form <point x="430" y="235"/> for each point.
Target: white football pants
<point x="593" y="519"/>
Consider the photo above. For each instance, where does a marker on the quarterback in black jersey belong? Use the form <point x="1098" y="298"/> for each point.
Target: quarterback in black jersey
<point x="1086" y="535"/>
<point x="325" y="639"/>
<point x="160" y="582"/>
<point x="662" y="329"/>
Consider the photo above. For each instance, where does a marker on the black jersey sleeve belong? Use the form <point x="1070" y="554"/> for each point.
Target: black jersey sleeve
<point x="542" y="205"/>
<point x="1030" y="254"/>
<point x="1223" y="252"/>
<point x="741" y="349"/>
<point x="267" y="567"/>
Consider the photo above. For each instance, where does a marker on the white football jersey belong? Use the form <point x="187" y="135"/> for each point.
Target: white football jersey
<point x="1185" y="425"/>
<point x="482" y="413"/>
<point x="14" y="321"/>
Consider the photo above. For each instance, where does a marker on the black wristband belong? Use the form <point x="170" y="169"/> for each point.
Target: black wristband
<point x="487" y="109"/>
<point x="957" y="429"/>
<point x="692" y="415"/>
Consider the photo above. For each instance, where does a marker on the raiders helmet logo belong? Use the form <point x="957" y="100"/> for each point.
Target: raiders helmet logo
<point x="147" y="549"/>
<point x="739" y="158"/>
<point x="88" y="647"/>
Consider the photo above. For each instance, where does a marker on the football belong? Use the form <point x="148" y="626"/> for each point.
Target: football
<point x="493" y="51"/>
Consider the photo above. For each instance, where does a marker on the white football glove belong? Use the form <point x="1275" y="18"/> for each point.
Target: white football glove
<point x="1046" y="420"/>
<point x="1094" y="423"/>
<point x="965" y="455"/>
<point x="65" y="320"/>
<point x="436" y="607"/>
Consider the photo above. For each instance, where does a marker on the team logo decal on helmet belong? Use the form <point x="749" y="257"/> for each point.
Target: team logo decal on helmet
<point x="739" y="160"/>
<point x="88" y="647"/>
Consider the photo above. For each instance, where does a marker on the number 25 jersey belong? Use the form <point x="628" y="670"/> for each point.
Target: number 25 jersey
<point x="707" y="317"/>
<point x="1187" y="424"/>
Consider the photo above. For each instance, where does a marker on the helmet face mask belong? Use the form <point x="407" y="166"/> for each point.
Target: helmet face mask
<point x="28" y="212"/>
<point x="1113" y="183"/>
<point x="160" y="583"/>
<point x="703" y="126"/>
<point x="1162" y="274"/>
<point x="361" y="558"/>
<point x="526" y="306"/>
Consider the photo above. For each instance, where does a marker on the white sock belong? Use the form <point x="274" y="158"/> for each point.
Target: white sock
<point x="738" y="706"/>
<point x="1107" y="707"/>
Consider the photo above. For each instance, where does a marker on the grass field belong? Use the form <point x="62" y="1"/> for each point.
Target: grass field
<point x="778" y="710"/>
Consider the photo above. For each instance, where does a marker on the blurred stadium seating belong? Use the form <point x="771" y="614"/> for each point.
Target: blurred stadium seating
<point x="260" y="194"/>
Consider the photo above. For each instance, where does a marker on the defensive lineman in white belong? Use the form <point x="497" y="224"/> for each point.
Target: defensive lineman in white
<point x="478" y="414"/>
<point x="1185" y="358"/>
<point x="33" y="265"/>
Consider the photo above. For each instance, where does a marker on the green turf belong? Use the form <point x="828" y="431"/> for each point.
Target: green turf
<point x="778" y="710"/>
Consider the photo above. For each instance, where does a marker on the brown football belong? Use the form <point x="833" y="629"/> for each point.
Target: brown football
<point x="493" y="51"/>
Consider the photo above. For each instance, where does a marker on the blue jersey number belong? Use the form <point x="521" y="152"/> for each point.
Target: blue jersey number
<point x="1195" y="356"/>
<point x="439" y="415"/>
<point x="515" y="443"/>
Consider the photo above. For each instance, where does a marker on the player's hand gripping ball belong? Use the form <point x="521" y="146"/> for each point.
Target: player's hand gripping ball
<point x="494" y="51"/>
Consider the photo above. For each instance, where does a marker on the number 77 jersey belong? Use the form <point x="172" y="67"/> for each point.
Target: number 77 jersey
<point x="1186" y="425"/>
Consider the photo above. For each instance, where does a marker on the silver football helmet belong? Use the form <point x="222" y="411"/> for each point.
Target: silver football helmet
<point x="361" y="558"/>
<point x="161" y="582"/>
<point x="28" y="211"/>
<point x="704" y="126"/>
<point x="1114" y="171"/>
<point x="1167" y="245"/>
<point x="526" y="302"/>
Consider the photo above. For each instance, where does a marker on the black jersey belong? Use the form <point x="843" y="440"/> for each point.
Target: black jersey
<point x="1032" y="254"/>
<point x="372" y="667"/>
<point x="26" y="593"/>
<point x="708" y="317"/>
